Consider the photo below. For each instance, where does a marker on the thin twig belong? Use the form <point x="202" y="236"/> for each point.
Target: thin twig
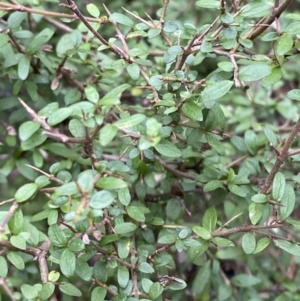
<point x="275" y="14"/>
<point x="18" y="7"/>
<point x="120" y="35"/>
<point x="119" y="52"/>
<point x="110" y="290"/>
<point x="244" y="228"/>
<point x="175" y="171"/>
<point x="8" y="216"/>
<point x="138" y="18"/>
<point x="7" y="289"/>
<point x="35" y="116"/>
<point x="284" y="154"/>
<point x="107" y="255"/>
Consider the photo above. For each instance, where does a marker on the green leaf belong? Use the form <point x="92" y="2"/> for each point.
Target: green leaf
<point x="34" y="233"/>
<point x="167" y="239"/>
<point x="85" y="180"/>
<point x="63" y="151"/>
<point x="246" y="43"/>
<point x="40" y="39"/>
<point x="293" y="28"/>
<point x="256" y="9"/>
<point x="287" y="246"/>
<point x="168" y="149"/>
<point x="125" y="228"/>
<point x="23" y="67"/>
<point x="3" y="267"/>
<point x="224" y="292"/>
<point x="270" y="135"/>
<point x="83" y="270"/>
<point x="123" y="276"/>
<point x="156" y="81"/>
<point x="209" y="220"/>
<point x="153" y="32"/>
<point x="288" y="202"/>
<point x="76" y="245"/>
<point x="18" y="241"/>
<point x="102" y="199"/>
<point x="121" y="19"/>
<point x="25" y="192"/>
<point x="146" y="284"/>
<point x="35" y="140"/>
<point x="67" y="189"/>
<point x="294" y="94"/>
<point x="40" y="215"/>
<point x="259" y="198"/>
<point x="91" y="92"/>
<point x="201" y="232"/>
<point x="244" y="280"/>
<point x="278" y="186"/>
<point x="53" y="217"/>
<point x="98" y="294"/>
<point x="283" y="45"/>
<point x="176" y="49"/>
<point x="212" y="185"/>
<point x="111" y="183"/>
<point x="213" y="141"/>
<point x="170" y="26"/>
<point x="47" y="291"/>
<point x="29" y="291"/>
<point x="202" y="278"/>
<point x="136" y="213"/>
<point x="100" y="271"/>
<point x="255" y="212"/>
<point x="57" y="236"/>
<point x="27" y="129"/>
<point x="16" y="260"/>
<point x="248" y="243"/>
<point x="76" y="128"/>
<point x="93" y="10"/>
<point x="59" y="116"/>
<point x="226" y="66"/>
<point x="251" y="142"/>
<point x="254" y="72"/>
<point x="222" y="242"/>
<point x="214" y="92"/>
<point x="192" y="110"/>
<point x="273" y="78"/>
<point x="155" y="290"/>
<point x="238" y="190"/>
<point x="134" y="71"/>
<point x="124" y="196"/>
<point x="136" y="52"/>
<point x="195" y="251"/>
<point x="107" y="134"/>
<point x="53" y="276"/>
<point x="15" y="19"/>
<point x="261" y="244"/>
<point x="173" y="209"/>
<point x="15" y="224"/>
<point x="131" y="121"/>
<point x="70" y="289"/>
<point x="67" y="263"/>
<point x="146" y="268"/>
<point x="208" y="3"/>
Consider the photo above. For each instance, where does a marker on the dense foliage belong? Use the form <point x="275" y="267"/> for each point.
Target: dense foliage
<point x="149" y="150"/>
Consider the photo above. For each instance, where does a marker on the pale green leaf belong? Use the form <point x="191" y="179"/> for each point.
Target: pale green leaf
<point x="254" y="72"/>
<point x="25" y="192"/>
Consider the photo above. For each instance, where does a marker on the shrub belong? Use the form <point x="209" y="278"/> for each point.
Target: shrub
<point x="149" y="155"/>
